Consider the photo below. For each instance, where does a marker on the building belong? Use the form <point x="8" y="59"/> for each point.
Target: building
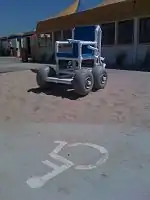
<point x="43" y="45"/>
<point x="125" y="25"/>
<point x="12" y="45"/>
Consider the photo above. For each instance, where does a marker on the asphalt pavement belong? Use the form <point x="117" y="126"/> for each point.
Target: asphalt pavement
<point x="12" y="64"/>
<point x="69" y="161"/>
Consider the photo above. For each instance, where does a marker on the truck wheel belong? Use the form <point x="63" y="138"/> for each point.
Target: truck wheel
<point x="100" y="77"/>
<point x="42" y="74"/>
<point x="83" y="82"/>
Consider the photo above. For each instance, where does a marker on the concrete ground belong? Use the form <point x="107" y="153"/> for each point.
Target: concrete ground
<point x="12" y="64"/>
<point x="26" y="153"/>
<point x="33" y="123"/>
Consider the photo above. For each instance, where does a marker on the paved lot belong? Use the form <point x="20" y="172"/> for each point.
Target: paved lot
<point x="124" y="175"/>
<point x="11" y="64"/>
<point x="9" y="60"/>
<point x="116" y="121"/>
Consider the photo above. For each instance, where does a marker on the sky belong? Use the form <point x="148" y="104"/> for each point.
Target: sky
<point x="22" y="15"/>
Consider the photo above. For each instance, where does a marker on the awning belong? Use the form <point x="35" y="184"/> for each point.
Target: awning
<point x="108" y="10"/>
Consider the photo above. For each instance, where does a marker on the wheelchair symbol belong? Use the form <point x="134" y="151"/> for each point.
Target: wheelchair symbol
<point x="39" y="181"/>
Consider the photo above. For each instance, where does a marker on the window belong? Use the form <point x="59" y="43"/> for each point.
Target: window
<point x="44" y="40"/>
<point x="144" y="30"/>
<point x="57" y="35"/>
<point x="108" y="33"/>
<point x="125" y="32"/>
<point x="67" y="34"/>
<point x="41" y="40"/>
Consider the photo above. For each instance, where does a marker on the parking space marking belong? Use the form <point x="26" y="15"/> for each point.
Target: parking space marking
<point x="39" y="181"/>
<point x="102" y="150"/>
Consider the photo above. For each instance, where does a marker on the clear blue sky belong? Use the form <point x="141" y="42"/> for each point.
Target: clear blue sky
<point x="22" y="15"/>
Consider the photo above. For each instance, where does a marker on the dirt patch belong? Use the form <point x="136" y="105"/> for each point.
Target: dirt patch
<point x="126" y="99"/>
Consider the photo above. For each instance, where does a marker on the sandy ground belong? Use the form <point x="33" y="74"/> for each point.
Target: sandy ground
<point x="126" y="99"/>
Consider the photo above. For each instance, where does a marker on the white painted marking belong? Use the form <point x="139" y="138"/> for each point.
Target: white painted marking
<point x="50" y="164"/>
<point x="60" y="146"/>
<point x="102" y="150"/>
<point x="61" y="159"/>
<point x="39" y="181"/>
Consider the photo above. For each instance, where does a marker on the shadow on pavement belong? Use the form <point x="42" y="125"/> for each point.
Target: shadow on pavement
<point x="57" y="91"/>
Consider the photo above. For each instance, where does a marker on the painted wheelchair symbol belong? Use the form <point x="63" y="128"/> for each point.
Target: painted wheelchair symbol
<point x="39" y="181"/>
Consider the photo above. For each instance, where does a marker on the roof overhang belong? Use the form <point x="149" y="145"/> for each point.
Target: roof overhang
<point x="110" y="10"/>
<point x="18" y="35"/>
